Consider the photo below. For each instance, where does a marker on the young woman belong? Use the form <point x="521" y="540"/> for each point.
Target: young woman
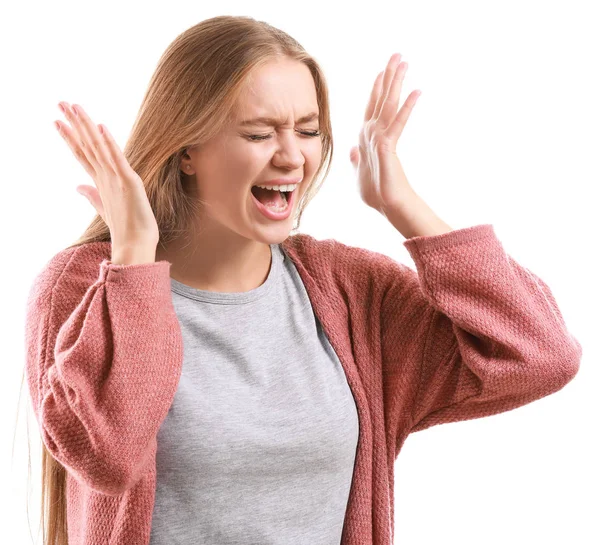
<point x="200" y="376"/>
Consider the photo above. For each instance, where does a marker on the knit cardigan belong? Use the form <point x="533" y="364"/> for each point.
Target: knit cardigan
<point x="470" y="334"/>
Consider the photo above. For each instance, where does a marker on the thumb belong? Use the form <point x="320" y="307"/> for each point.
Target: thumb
<point x="354" y="156"/>
<point x="93" y="196"/>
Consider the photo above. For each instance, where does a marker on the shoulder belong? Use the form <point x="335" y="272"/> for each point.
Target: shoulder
<point x="343" y="259"/>
<point x="71" y="268"/>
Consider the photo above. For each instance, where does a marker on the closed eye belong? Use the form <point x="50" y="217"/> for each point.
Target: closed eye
<point x="255" y="137"/>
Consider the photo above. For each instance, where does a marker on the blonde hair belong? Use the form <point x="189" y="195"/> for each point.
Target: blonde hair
<point x="190" y="98"/>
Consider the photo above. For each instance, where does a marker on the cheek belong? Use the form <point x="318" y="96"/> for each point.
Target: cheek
<point x="234" y="171"/>
<point x="313" y="157"/>
<point x="244" y="161"/>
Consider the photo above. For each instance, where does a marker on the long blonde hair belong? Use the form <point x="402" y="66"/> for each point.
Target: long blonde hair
<point x="190" y="98"/>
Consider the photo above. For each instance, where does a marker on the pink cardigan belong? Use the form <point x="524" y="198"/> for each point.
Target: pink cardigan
<point x="470" y="334"/>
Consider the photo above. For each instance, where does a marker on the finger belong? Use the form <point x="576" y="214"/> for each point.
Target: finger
<point x="397" y="125"/>
<point x="387" y="78"/>
<point x="92" y="195"/>
<point x="120" y="164"/>
<point x="390" y="103"/>
<point x="72" y="142"/>
<point x="374" y="94"/>
<point x="78" y="136"/>
<point x="92" y="142"/>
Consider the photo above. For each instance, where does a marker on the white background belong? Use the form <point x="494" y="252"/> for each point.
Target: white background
<point x="505" y="132"/>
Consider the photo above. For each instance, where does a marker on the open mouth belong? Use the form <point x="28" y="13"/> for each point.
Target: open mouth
<point x="275" y="205"/>
<point x="270" y="198"/>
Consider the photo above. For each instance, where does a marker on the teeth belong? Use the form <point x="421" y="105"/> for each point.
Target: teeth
<point x="289" y="187"/>
<point x="277" y="208"/>
<point x="280" y="208"/>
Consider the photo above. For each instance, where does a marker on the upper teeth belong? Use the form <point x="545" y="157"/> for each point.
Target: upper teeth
<point x="290" y="187"/>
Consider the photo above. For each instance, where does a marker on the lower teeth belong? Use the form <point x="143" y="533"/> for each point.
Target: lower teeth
<point x="277" y="208"/>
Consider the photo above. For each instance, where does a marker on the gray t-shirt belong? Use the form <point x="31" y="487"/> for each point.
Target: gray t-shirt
<point x="258" y="447"/>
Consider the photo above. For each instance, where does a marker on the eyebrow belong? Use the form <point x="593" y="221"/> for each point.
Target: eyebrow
<point x="274" y="122"/>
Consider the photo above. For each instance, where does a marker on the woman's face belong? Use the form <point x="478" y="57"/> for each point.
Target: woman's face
<point x="248" y="153"/>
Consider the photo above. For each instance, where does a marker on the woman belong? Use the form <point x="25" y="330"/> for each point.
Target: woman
<point x="200" y="376"/>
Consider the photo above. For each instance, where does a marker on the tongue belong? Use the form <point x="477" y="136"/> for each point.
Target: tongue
<point x="268" y="196"/>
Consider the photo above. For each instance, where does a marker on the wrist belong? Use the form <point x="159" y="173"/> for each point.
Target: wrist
<point x="413" y="217"/>
<point x="136" y="255"/>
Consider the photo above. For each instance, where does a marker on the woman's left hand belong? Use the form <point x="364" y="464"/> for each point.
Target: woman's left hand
<point x="383" y="184"/>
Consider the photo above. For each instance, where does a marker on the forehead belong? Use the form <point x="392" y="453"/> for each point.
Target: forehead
<point x="278" y="92"/>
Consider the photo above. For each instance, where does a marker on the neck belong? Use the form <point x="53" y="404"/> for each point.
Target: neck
<point x="222" y="264"/>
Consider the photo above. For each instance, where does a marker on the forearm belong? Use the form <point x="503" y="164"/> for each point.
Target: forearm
<point x="413" y="217"/>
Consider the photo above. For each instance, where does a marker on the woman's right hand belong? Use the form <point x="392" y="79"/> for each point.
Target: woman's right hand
<point x="119" y="196"/>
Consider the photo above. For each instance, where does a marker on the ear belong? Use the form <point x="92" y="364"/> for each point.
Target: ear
<point x="186" y="167"/>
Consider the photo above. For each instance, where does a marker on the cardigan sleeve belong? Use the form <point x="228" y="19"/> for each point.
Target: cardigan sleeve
<point x="103" y="360"/>
<point x="472" y="333"/>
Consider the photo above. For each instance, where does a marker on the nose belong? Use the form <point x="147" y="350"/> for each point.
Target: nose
<point x="289" y="153"/>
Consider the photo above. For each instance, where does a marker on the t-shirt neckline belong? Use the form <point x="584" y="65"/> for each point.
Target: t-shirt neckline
<point x="234" y="298"/>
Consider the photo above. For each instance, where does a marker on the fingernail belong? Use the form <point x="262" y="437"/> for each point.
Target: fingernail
<point x="75" y="110"/>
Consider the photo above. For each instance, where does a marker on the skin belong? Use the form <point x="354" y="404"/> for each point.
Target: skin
<point x="381" y="179"/>
<point x="228" y="249"/>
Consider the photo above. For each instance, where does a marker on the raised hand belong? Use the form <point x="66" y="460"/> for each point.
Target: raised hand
<point x="119" y="196"/>
<point x="381" y="179"/>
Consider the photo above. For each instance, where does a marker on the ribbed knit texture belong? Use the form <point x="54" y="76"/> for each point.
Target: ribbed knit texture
<point x="470" y="334"/>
